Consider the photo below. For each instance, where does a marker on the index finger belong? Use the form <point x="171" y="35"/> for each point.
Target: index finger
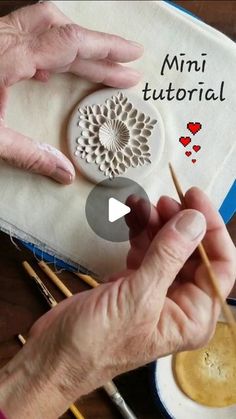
<point x="217" y="242"/>
<point x="60" y="46"/>
<point x="100" y="45"/>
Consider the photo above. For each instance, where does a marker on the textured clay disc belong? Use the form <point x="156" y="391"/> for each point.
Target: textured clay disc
<point x="208" y="375"/>
<point x="115" y="133"/>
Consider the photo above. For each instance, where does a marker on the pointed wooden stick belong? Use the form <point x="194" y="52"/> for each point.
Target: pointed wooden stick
<point x="229" y="317"/>
<point x="88" y="279"/>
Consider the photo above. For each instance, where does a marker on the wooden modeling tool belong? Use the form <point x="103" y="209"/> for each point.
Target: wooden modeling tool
<point x="88" y="279"/>
<point x="40" y="285"/>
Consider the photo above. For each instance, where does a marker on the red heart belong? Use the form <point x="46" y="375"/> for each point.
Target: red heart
<point x="185" y="141"/>
<point x="196" y="148"/>
<point x="194" y="160"/>
<point x="188" y="153"/>
<point x="194" y="127"/>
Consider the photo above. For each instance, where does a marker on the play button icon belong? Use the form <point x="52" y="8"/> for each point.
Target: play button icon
<point x="107" y="209"/>
<point x="116" y="210"/>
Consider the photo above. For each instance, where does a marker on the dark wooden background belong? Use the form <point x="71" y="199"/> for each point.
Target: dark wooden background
<point x="20" y="302"/>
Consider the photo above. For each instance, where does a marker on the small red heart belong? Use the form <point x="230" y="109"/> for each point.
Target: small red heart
<point x="194" y="127"/>
<point x="194" y="160"/>
<point x="188" y="153"/>
<point x="185" y="141"/>
<point x="196" y="148"/>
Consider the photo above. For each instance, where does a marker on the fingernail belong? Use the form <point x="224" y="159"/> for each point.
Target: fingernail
<point x="133" y="72"/>
<point x="136" y="44"/>
<point x="64" y="172"/>
<point x="131" y="77"/>
<point x="191" y="224"/>
<point x="62" y="176"/>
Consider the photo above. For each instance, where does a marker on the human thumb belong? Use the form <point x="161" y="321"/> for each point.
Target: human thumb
<point x="21" y="151"/>
<point x="168" y="252"/>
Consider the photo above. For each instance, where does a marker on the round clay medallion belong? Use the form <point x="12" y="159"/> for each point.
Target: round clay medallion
<point x="208" y="375"/>
<point x="115" y="133"/>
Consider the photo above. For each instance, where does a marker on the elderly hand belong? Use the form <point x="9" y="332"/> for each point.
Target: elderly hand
<point x="163" y="304"/>
<point x="39" y="40"/>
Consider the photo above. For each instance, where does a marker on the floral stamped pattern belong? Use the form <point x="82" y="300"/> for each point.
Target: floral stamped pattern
<point x="114" y="136"/>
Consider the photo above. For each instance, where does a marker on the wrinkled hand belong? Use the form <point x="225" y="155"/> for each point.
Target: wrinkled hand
<point x="39" y="40"/>
<point x="163" y="304"/>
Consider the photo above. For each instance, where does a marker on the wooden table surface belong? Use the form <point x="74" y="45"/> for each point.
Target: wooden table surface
<point x="20" y="303"/>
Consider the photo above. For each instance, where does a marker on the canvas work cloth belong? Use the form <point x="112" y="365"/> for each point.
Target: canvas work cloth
<point x="37" y="209"/>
